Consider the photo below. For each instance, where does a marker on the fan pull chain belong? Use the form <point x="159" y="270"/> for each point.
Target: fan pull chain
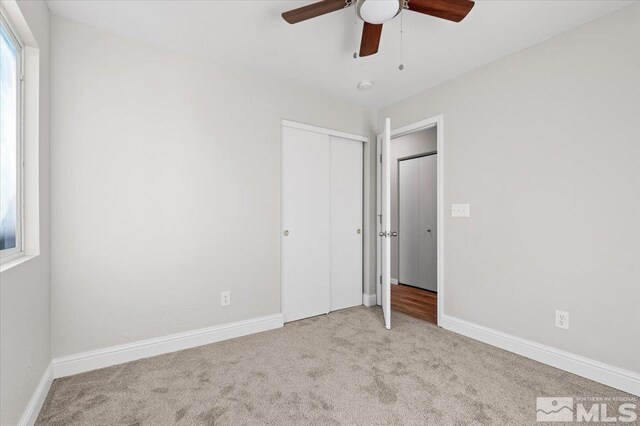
<point x="401" y="67"/>
<point x="355" y="25"/>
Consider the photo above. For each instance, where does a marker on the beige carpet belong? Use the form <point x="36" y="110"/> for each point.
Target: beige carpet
<point x="344" y="368"/>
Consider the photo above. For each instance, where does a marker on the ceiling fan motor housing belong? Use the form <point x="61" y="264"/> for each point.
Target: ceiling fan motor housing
<point x="378" y="11"/>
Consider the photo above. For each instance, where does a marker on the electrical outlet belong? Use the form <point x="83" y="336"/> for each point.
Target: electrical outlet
<point x="225" y="298"/>
<point x="562" y="319"/>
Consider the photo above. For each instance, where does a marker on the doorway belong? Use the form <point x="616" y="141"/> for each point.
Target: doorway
<point x="414" y="215"/>
<point x="413" y="237"/>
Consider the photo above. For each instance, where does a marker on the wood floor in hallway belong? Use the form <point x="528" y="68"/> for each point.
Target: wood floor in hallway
<point x="417" y="302"/>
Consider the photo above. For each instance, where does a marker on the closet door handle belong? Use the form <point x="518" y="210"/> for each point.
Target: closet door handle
<point x="394" y="234"/>
<point x="286" y="233"/>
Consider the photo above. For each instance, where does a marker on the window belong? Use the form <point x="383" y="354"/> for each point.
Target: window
<point x="11" y="200"/>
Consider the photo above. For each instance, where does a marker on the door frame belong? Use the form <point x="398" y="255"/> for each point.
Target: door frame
<point x="438" y="122"/>
<point x="366" y="191"/>
<point x="323" y="131"/>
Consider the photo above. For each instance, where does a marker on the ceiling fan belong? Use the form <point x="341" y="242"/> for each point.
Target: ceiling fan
<point x="375" y="12"/>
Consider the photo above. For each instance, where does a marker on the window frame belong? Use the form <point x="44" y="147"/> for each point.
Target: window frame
<point x="7" y="255"/>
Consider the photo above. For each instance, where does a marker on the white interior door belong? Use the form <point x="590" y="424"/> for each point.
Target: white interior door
<point x="385" y="240"/>
<point x="346" y="223"/>
<point x="305" y="236"/>
<point x="428" y="226"/>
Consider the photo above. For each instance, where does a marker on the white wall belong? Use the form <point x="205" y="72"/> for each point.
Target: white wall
<point x="25" y="349"/>
<point x="545" y="146"/>
<point x="166" y="188"/>
<point x="415" y="143"/>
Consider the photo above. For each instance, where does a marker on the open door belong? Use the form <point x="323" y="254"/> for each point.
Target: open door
<point x="384" y="234"/>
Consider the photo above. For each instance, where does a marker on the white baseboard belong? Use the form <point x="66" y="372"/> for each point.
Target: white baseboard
<point x="32" y="410"/>
<point x="394" y="281"/>
<point x="87" y="361"/>
<point x="368" y="299"/>
<point x="597" y="371"/>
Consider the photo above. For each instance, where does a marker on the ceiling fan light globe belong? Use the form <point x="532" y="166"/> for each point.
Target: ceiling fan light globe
<point x="378" y="11"/>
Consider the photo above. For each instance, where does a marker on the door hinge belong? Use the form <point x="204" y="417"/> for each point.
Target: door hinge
<point x="380" y="217"/>
<point x="380" y="279"/>
<point x="381" y="158"/>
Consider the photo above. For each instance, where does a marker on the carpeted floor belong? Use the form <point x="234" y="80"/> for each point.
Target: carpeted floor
<point x="344" y="368"/>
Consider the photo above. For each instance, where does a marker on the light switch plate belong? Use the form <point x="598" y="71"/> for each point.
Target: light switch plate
<point x="459" y="210"/>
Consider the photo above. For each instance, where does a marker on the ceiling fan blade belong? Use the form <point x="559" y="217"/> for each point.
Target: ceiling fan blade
<point x="370" y="39"/>
<point x="313" y="10"/>
<point x="451" y="10"/>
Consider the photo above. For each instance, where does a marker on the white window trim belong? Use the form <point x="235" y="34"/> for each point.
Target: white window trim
<point x="8" y="255"/>
<point x="29" y="134"/>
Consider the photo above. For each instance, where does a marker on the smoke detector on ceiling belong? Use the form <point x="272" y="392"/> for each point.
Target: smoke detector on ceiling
<point x="365" y="85"/>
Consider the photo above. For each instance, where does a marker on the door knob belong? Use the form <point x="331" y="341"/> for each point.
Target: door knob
<point x="286" y="233"/>
<point x="394" y="234"/>
<point x="428" y="230"/>
<point x="359" y="231"/>
<point x="381" y="234"/>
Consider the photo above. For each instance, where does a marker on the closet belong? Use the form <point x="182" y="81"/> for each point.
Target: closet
<point x="321" y="235"/>
<point x="417" y="220"/>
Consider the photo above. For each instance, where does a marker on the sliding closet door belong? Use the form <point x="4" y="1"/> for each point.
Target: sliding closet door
<point x="417" y="254"/>
<point x="409" y="222"/>
<point x="428" y="222"/>
<point x="306" y="248"/>
<point x="346" y="223"/>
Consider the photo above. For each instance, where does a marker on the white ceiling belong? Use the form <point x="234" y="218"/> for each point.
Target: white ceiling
<point x="318" y="53"/>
